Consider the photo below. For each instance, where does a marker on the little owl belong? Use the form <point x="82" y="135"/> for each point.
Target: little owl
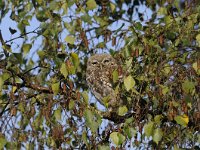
<point x="99" y="72"/>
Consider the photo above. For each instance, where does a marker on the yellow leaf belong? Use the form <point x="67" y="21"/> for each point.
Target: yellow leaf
<point x="182" y="120"/>
<point x="112" y="6"/>
<point x="14" y="88"/>
<point x="198" y="39"/>
<point x="91" y="4"/>
<point x="129" y="82"/>
<point x="55" y="87"/>
<point x="70" y="39"/>
<point x="185" y="118"/>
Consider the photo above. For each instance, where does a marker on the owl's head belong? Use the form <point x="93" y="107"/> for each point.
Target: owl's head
<point x="100" y="61"/>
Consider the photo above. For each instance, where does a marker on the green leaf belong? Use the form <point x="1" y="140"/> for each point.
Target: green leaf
<point x="157" y="135"/>
<point x="26" y="48"/>
<point x="25" y="22"/>
<point x="41" y="53"/>
<point x="103" y="147"/>
<point x="55" y="87"/>
<point x="71" y="69"/>
<point x="188" y="86"/>
<point x="70" y="39"/>
<point x="166" y="69"/>
<point x="117" y="138"/>
<point x="195" y="67"/>
<point x="21" y="107"/>
<point x="122" y="110"/>
<point x="1" y="83"/>
<point x="198" y="39"/>
<point x="75" y="59"/>
<point x="19" y="57"/>
<point x="100" y="45"/>
<point x="162" y="11"/>
<point x="91" y="4"/>
<point x="63" y="70"/>
<point x="165" y="89"/>
<point x="57" y="114"/>
<point x="138" y="26"/>
<point x="182" y="120"/>
<point x="3" y="78"/>
<point x="148" y="128"/>
<point x="86" y="18"/>
<point x="112" y="6"/>
<point x="158" y="118"/>
<point x="115" y="76"/>
<point x="84" y="137"/>
<point x="3" y="142"/>
<point x="169" y="20"/>
<point x="129" y="82"/>
<point x="131" y="132"/>
<point x="93" y="120"/>
<point x="71" y="105"/>
<point x="85" y="97"/>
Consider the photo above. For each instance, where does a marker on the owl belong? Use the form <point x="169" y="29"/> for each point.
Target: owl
<point x="99" y="72"/>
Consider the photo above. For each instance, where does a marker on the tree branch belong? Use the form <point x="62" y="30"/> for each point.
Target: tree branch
<point x="22" y="35"/>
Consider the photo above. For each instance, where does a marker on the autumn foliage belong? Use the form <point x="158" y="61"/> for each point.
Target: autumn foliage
<point x="45" y="101"/>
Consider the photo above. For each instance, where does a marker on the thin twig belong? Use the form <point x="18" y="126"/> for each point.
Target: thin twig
<point x="22" y="35"/>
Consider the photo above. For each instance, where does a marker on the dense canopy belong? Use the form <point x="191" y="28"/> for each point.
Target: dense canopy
<point x="44" y="98"/>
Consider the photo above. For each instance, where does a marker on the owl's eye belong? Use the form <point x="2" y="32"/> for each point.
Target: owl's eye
<point x="94" y="63"/>
<point x="106" y="61"/>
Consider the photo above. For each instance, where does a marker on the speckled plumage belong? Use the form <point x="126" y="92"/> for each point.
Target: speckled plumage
<point x="99" y="78"/>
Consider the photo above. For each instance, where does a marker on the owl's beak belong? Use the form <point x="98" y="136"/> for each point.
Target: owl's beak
<point x="101" y="66"/>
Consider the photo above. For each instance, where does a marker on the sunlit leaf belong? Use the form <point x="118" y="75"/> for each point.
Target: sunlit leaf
<point x="117" y="138"/>
<point x="158" y="118"/>
<point x="71" y="105"/>
<point x="85" y="97"/>
<point x="115" y="76"/>
<point x="57" y="114"/>
<point x="21" y="107"/>
<point x="188" y="86"/>
<point x="165" y="89"/>
<point x="131" y="132"/>
<point x="91" y="4"/>
<point x="148" y="129"/>
<point x="63" y="70"/>
<point x="14" y="88"/>
<point x="41" y="54"/>
<point x="103" y="147"/>
<point x="129" y="82"/>
<point x="25" y="22"/>
<point x="70" y="39"/>
<point x="168" y="20"/>
<point x="166" y="69"/>
<point x="84" y="137"/>
<point x="55" y="87"/>
<point x="75" y="59"/>
<point x="162" y="11"/>
<point x="101" y="45"/>
<point x="182" y="120"/>
<point x="122" y="110"/>
<point x="112" y="6"/>
<point x="195" y="66"/>
<point x="3" y="142"/>
<point x="198" y="39"/>
<point x="1" y="83"/>
<point x="26" y="48"/>
<point x="157" y="135"/>
<point x="93" y="120"/>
